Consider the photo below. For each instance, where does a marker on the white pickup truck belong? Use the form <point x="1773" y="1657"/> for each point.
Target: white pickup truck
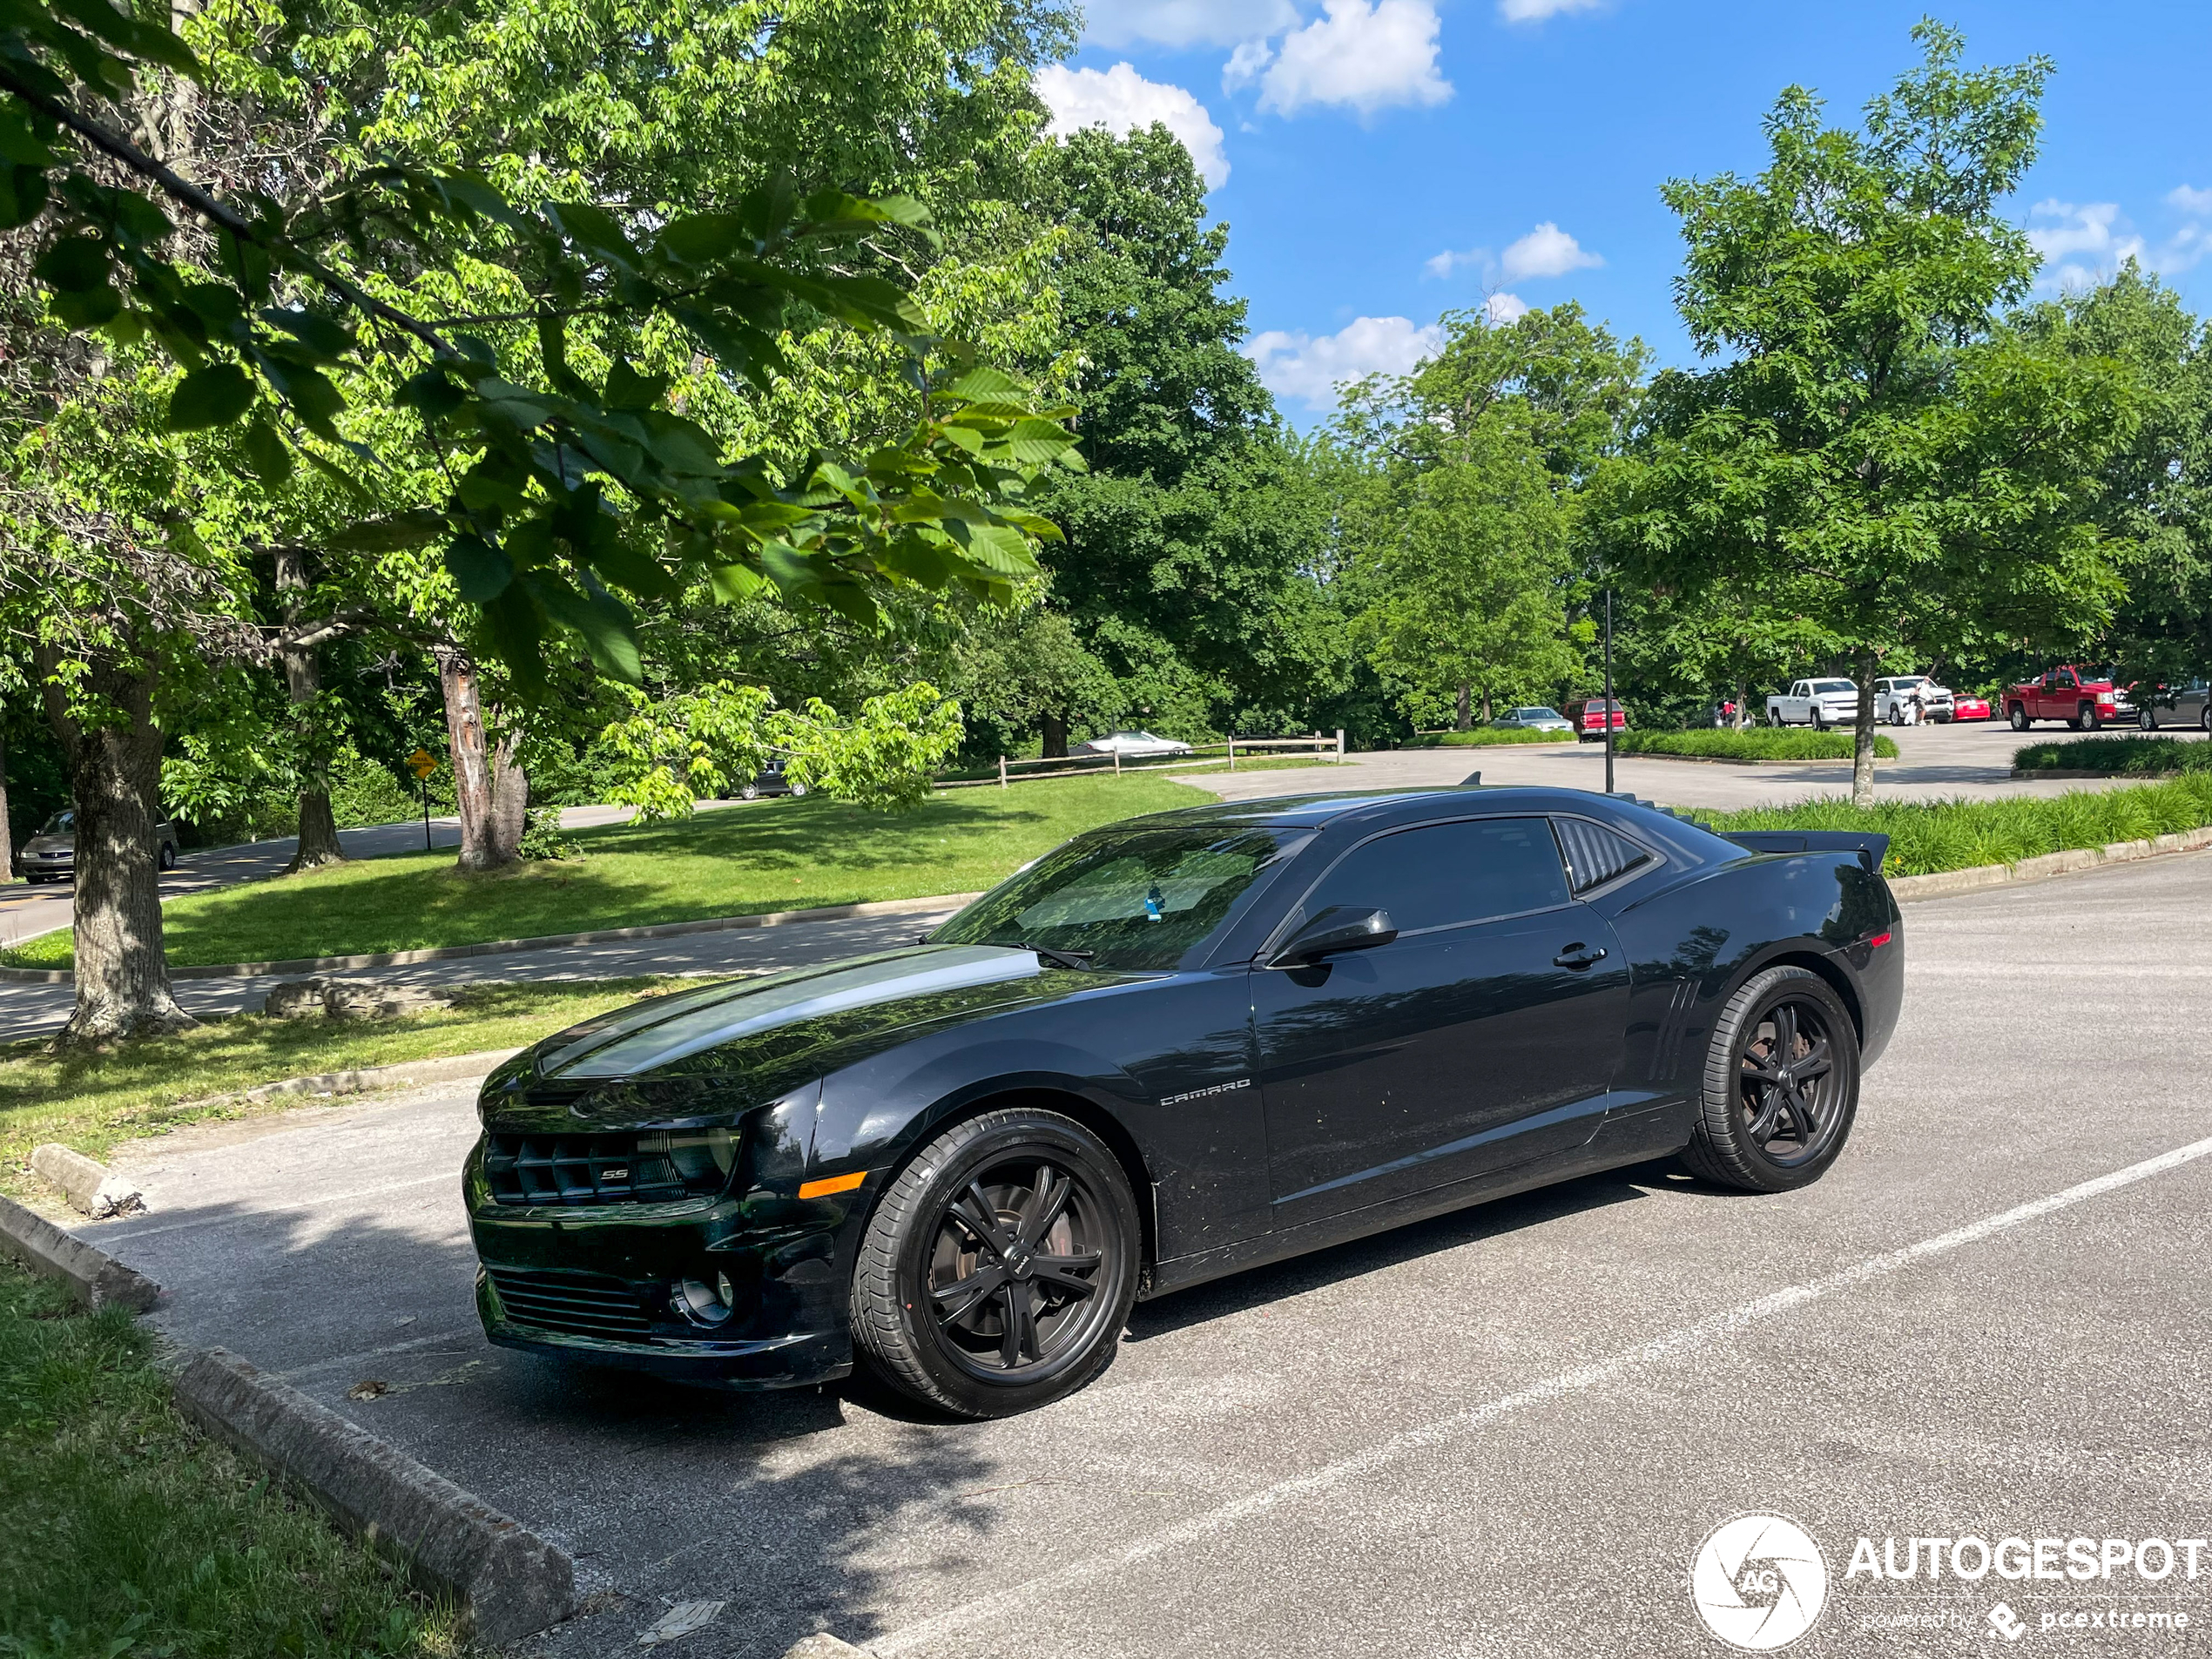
<point x="1893" y="699"/>
<point x="1819" y="703"/>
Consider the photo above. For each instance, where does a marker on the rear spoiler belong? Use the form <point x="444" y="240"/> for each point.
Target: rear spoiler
<point x="1871" y="849"/>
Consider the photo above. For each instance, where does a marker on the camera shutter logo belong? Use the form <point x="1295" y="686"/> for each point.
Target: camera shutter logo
<point x="1759" y="1583"/>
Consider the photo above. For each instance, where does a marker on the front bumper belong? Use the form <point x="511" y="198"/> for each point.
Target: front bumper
<point x="593" y="1283"/>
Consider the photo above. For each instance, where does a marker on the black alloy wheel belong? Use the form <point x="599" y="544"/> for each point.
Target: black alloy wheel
<point x="1781" y="1085"/>
<point x="1000" y="1267"/>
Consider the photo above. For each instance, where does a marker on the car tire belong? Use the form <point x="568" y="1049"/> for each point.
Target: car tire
<point x="931" y="1233"/>
<point x="165" y="858"/>
<point x="1819" y="721"/>
<point x="2146" y="721"/>
<point x="2090" y="719"/>
<point x="1742" y="1112"/>
<point x="2018" y="717"/>
<point x="2204" y="720"/>
<point x="797" y="789"/>
<point x="749" y="791"/>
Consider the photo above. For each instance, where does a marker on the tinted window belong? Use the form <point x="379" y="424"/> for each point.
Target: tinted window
<point x="1444" y="873"/>
<point x="1136" y="899"/>
<point x="1595" y="856"/>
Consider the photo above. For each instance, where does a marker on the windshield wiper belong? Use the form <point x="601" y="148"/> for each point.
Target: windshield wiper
<point x="1052" y="958"/>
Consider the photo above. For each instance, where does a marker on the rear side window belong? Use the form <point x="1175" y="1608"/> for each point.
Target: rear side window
<point x="1595" y="856"/>
<point x="1443" y="874"/>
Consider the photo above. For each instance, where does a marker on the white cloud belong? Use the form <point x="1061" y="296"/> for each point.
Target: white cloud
<point x="1442" y="265"/>
<point x="1365" y="57"/>
<point x="1120" y="98"/>
<point x="1537" y="10"/>
<point x="1546" y="250"/>
<point x="2082" y="243"/>
<point x="1500" y="309"/>
<point x="2198" y="202"/>
<point x="1299" y="366"/>
<point x="1244" y="65"/>
<point x="1177" y="24"/>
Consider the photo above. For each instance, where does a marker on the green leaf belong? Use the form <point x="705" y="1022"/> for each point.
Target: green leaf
<point x="215" y="395"/>
<point x="23" y="195"/>
<point x="213" y="302"/>
<point x="627" y="390"/>
<point x="701" y="238"/>
<point x="73" y="264"/>
<point x="997" y="548"/>
<point x="735" y="584"/>
<point x="410" y="528"/>
<point x="595" y="230"/>
<point x="86" y="310"/>
<point x="983" y="383"/>
<point x="319" y="333"/>
<point x="245" y="263"/>
<point x="479" y="570"/>
<point x="18" y="142"/>
<point x="608" y="630"/>
<point x="267" y="453"/>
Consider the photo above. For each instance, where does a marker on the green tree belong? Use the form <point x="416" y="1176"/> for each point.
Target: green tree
<point x="1191" y="535"/>
<point x="1928" y="478"/>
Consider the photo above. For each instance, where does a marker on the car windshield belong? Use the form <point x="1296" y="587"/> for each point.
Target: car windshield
<point x="1537" y="714"/>
<point x="1820" y="686"/>
<point x="1908" y="682"/>
<point x="62" y="823"/>
<point x="1143" y="899"/>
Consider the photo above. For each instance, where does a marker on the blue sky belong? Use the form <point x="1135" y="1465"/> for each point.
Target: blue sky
<point x="1381" y="161"/>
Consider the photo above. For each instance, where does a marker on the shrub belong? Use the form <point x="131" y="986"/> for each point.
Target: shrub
<point x="1757" y="743"/>
<point x="2116" y="757"/>
<point x="1482" y="736"/>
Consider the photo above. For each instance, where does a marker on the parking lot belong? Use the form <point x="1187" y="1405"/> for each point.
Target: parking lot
<point x="1503" y="1432"/>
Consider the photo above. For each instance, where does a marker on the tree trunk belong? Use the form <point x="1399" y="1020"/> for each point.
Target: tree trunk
<point x="475" y="768"/>
<point x="114" y="776"/>
<point x="1463" y="716"/>
<point x="1742" y="710"/>
<point x="510" y="796"/>
<point x="1054" y="730"/>
<point x="302" y="681"/>
<point x="1488" y="714"/>
<point x="7" y="839"/>
<point x="1862" y="769"/>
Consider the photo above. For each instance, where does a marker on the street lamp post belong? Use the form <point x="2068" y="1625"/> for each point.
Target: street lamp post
<point x="1608" y="690"/>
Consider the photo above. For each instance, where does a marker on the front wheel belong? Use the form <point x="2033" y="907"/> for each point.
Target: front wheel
<point x="2090" y="720"/>
<point x="2204" y="719"/>
<point x="1781" y="1085"/>
<point x="999" y="1269"/>
<point x="2018" y="717"/>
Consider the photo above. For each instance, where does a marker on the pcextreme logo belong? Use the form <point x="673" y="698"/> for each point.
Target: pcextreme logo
<point x="1759" y="1583"/>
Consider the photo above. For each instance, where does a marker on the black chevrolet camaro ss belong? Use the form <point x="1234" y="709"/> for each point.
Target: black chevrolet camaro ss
<point x="1172" y="1048"/>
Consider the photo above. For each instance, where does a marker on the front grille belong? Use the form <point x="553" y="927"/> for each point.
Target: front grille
<point x="581" y="1305"/>
<point x="650" y="1166"/>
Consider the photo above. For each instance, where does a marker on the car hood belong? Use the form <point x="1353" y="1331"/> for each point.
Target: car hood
<point x="51" y="843"/>
<point x="729" y="1048"/>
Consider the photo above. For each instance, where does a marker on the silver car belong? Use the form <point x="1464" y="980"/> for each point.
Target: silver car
<point x="2188" y="703"/>
<point x="1537" y="719"/>
<point x="51" y="855"/>
<point x="1131" y="745"/>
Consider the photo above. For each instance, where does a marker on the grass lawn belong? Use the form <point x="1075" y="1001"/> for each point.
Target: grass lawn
<point x="91" y="1100"/>
<point x="2116" y="757"/>
<point x="123" y="1531"/>
<point x="778" y="854"/>
<point x="1757" y="743"/>
<point x="1928" y="836"/>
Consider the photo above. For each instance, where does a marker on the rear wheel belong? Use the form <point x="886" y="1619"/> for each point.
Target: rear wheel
<point x="749" y="791"/>
<point x="1781" y="1085"/>
<point x="2205" y="718"/>
<point x="999" y="1269"/>
<point x="2146" y="720"/>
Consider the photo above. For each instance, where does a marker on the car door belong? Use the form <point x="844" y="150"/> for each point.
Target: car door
<point x="1485" y="1034"/>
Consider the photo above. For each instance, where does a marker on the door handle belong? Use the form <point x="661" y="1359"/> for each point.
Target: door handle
<point x="1579" y="955"/>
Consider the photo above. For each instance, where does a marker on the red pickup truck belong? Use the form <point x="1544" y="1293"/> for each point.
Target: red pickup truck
<point x="2084" y="698"/>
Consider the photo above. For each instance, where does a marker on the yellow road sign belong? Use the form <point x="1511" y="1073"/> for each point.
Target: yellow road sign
<point x="423" y="762"/>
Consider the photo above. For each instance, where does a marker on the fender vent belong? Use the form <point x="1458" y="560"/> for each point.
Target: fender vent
<point x="1666" y="1052"/>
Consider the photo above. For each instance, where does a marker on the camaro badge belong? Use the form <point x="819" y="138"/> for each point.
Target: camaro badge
<point x="1200" y="1093"/>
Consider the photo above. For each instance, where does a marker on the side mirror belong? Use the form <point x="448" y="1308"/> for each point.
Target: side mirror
<point x="1335" y="930"/>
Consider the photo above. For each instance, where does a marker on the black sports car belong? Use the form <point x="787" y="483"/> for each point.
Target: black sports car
<point x="1172" y="1048"/>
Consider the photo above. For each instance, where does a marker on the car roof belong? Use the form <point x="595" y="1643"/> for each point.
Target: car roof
<point x="1382" y="810"/>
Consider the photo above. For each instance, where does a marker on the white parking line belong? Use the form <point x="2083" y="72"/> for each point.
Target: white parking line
<point x="470" y="1336"/>
<point x="1685" y="1339"/>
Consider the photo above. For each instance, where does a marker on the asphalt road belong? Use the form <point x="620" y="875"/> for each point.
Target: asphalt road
<point x="1934" y="762"/>
<point x="1504" y="1432"/>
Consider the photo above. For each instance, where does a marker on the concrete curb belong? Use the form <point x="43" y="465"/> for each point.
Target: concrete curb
<point x="823" y="1645"/>
<point x="1739" y="760"/>
<point x="1908" y="888"/>
<point x="550" y="941"/>
<point x="508" y="1581"/>
<point x="93" y="1277"/>
<point x="89" y="1185"/>
<point x="405" y="1074"/>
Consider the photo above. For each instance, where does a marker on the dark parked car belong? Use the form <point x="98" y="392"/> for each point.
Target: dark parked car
<point x="770" y="780"/>
<point x="51" y="855"/>
<point x="1170" y="1049"/>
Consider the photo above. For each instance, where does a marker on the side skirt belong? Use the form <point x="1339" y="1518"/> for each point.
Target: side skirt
<point x="1634" y="1138"/>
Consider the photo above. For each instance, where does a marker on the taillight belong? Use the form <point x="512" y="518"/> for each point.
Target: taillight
<point x="1880" y="939"/>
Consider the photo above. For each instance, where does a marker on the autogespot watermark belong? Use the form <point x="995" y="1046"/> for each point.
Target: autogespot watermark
<point x="1760" y="1582"/>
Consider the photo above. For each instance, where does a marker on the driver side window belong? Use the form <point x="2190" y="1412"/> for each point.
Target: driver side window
<point x="1442" y="875"/>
